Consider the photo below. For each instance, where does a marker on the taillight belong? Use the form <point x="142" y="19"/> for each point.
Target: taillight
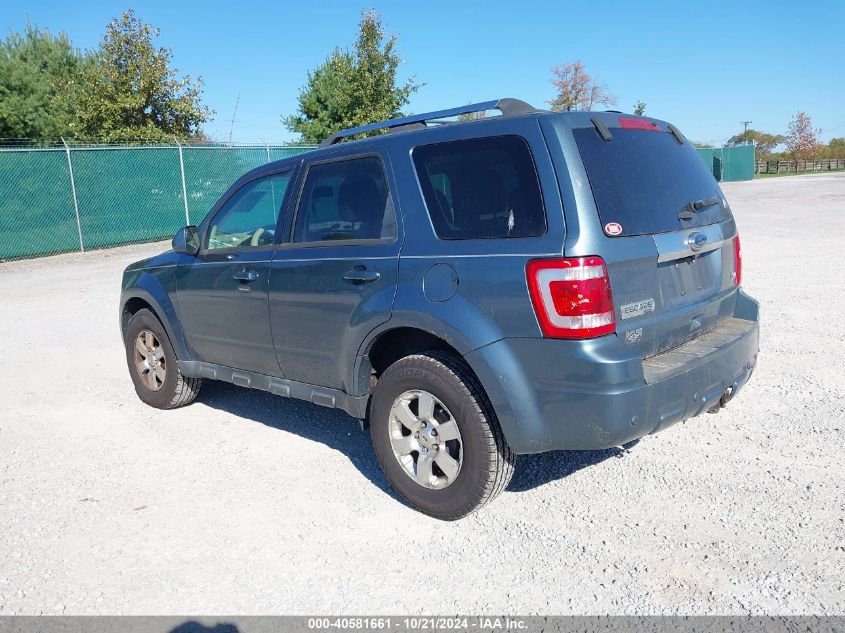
<point x="737" y="261"/>
<point x="571" y="297"/>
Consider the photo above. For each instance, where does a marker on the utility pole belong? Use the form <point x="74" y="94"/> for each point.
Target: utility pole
<point x="232" y="125"/>
<point x="745" y="125"/>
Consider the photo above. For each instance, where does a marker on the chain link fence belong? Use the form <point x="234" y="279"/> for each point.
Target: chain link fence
<point x="78" y="198"/>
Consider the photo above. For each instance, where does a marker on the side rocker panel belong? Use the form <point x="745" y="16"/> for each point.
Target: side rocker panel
<point x="323" y="396"/>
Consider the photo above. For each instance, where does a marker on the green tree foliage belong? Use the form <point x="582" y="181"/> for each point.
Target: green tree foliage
<point x="129" y="92"/>
<point x="353" y="88"/>
<point x="472" y="116"/>
<point x="576" y="89"/>
<point x="764" y="143"/>
<point x="325" y="103"/>
<point x="834" y="149"/>
<point x="35" y="67"/>
<point x="639" y="108"/>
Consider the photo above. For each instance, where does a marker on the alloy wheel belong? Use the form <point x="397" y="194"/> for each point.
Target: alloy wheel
<point x="149" y="360"/>
<point x="425" y="439"/>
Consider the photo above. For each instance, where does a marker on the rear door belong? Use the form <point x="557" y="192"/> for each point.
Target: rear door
<point x="336" y="278"/>
<point x="666" y="230"/>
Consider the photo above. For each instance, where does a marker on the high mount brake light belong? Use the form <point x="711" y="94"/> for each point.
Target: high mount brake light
<point x="737" y="261"/>
<point x="630" y="123"/>
<point x="571" y="297"/>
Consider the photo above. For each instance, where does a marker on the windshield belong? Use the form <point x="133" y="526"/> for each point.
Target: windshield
<point x="646" y="182"/>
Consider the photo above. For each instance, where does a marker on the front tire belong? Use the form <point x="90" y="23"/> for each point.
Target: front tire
<point x="436" y="436"/>
<point x="153" y="365"/>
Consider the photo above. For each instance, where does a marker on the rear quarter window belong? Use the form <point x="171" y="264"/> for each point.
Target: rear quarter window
<point x="643" y="179"/>
<point x="484" y="188"/>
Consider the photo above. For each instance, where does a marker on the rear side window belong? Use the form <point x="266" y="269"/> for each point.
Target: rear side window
<point x="642" y="180"/>
<point x="481" y="188"/>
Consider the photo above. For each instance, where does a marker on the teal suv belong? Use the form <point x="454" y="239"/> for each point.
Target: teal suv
<point x="475" y="290"/>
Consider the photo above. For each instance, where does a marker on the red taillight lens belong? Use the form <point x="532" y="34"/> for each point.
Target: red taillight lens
<point x="571" y="297"/>
<point x="629" y="123"/>
<point x="737" y="261"/>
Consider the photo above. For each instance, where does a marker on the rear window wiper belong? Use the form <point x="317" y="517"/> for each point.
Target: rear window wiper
<point x="689" y="210"/>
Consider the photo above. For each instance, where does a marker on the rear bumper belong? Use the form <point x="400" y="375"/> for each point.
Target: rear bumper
<point x="579" y="395"/>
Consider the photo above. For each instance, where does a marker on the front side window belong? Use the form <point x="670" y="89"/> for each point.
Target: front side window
<point x="481" y="188"/>
<point x="345" y="200"/>
<point x="249" y="217"/>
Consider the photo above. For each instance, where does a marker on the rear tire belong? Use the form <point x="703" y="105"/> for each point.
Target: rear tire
<point x="153" y="365"/>
<point x="449" y="474"/>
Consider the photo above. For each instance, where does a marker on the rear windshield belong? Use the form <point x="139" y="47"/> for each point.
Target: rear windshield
<point x="643" y="180"/>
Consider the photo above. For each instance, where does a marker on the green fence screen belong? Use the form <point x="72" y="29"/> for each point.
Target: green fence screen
<point x="706" y="154"/>
<point x="123" y="194"/>
<point x="738" y="163"/>
<point x="729" y="163"/>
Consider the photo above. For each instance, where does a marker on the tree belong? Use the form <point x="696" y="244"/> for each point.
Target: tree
<point x="801" y="138"/>
<point x="130" y="93"/>
<point x="836" y="147"/>
<point x="34" y="68"/>
<point x="576" y="90"/>
<point x="353" y="88"/>
<point x="472" y="116"/>
<point x="639" y="108"/>
<point x="325" y="103"/>
<point x="763" y="143"/>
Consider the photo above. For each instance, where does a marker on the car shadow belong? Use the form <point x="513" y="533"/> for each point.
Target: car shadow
<point x="342" y="433"/>
<point x="533" y="471"/>
<point x="192" y="626"/>
<point x="332" y="427"/>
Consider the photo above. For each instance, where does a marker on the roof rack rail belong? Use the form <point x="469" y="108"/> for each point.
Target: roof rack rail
<point x="506" y="106"/>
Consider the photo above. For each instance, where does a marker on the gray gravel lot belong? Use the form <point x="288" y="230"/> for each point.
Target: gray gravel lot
<point x="249" y="503"/>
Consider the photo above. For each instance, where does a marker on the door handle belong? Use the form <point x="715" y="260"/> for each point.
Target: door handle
<point x="361" y="274"/>
<point x="245" y="274"/>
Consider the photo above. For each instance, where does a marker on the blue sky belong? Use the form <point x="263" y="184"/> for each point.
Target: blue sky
<point x="705" y="66"/>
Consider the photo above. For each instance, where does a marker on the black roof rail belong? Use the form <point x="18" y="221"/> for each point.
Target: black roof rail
<point x="506" y="106"/>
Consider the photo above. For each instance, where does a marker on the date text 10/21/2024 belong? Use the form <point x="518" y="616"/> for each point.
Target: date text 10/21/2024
<point x="480" y="623"/>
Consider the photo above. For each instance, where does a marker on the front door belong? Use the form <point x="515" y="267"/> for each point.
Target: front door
<point x="223" y="292"/>
<point x="336" y="279"/>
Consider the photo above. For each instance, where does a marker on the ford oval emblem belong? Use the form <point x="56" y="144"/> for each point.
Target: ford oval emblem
<point x="696" y="241"/>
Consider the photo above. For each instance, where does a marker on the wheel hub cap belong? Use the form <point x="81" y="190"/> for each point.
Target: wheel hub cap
<point x="426" y="439"/>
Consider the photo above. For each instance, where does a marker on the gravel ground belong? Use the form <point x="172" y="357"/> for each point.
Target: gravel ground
<point x="249" y="503"/>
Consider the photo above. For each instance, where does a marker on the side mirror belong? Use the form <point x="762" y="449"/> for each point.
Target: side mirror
<point x="186" y="241"/>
